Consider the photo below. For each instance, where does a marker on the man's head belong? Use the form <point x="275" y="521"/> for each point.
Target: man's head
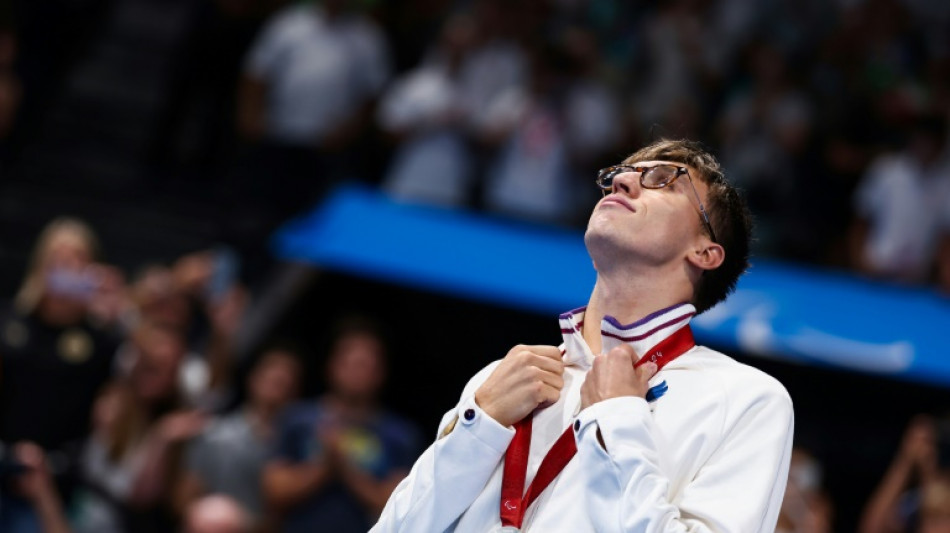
<point x="159" y="351"/>
<point x="275" y="378"/>
<point x="664" y="225"/>
<point x="356" y="368"/>
<point x="216" y="514"/>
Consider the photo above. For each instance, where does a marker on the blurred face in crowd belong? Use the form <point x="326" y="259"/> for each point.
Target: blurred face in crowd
<point x="159" y="300"/>
<point x="63" y="263"/>
<point x="275" y="379"/>
<point x="61" y="280"/>
<point x="159" y="355"/>
<point x="356" y="367"/>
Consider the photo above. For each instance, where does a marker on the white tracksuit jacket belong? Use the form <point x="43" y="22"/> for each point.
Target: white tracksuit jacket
<point x="711" y="453"/>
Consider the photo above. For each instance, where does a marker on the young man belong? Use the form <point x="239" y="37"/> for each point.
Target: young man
<point x="579" y="438"/>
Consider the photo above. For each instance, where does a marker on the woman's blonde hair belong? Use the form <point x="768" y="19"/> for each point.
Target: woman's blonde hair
<point x="73" y="229"/>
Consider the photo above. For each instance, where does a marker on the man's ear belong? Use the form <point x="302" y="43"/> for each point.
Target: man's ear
<point x="707" y="256"/>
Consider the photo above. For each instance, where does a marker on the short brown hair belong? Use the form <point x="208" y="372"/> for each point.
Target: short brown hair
<point x="728" y="214"/>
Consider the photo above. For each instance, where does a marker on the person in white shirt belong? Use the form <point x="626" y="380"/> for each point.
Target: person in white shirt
<point x="703" y="444"/>
<point x="898" y="207"/>
<point x="310" y="73"/>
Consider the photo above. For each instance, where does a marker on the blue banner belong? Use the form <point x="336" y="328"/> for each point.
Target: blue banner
<point x="792" y="313"/>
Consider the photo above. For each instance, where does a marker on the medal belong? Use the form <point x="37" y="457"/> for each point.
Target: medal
<point x="514" y="499"/>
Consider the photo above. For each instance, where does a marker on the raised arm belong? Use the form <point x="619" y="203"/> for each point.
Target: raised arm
<point x="454" y="470"/>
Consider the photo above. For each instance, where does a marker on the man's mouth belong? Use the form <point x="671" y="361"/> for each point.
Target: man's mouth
<point x="617" y="200"/>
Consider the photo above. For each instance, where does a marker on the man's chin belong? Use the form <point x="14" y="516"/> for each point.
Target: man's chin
<point x="601" y="239"/>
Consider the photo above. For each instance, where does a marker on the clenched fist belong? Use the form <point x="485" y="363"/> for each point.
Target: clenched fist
<point x="527" y="378"/>
<point x="613" y="375"/>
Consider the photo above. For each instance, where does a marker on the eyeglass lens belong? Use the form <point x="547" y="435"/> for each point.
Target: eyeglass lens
<point x="654" y="177"/>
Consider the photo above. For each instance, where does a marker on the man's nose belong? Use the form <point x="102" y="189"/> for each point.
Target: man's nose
<point x="627" y="182"/>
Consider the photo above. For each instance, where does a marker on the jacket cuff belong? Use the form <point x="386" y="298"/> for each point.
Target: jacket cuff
<point x="479" y="424"/>
<point x="608" y="416"/>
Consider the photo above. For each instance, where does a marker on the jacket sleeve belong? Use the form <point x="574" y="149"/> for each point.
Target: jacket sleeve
<point x="452" y="472"/>
<point x="738" y="489"/>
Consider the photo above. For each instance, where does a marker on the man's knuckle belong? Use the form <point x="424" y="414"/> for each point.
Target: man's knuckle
<point x="538" y="390"/>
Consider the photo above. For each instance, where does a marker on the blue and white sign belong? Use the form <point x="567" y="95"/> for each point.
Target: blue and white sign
<point x="781" y="311"/>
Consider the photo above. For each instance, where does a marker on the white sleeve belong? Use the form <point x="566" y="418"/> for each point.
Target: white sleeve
<point x="739" y="489"/>
<point x="452" y="472"/>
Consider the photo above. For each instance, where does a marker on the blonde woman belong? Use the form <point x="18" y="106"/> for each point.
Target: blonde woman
<point x="54" y="355"/>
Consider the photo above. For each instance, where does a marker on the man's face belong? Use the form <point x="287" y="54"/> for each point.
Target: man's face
<point x="155" y="374"/>
<point x="636" y="223"/>
<point x="274" y="381"/>
<point x="356" y="367"/>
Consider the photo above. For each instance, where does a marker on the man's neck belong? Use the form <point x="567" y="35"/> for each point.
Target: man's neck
<point x="627" y="300"/>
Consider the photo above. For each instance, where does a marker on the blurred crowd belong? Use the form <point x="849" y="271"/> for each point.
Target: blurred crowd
<point x="831" y="116"/>
<point x="122" y="405"/>
<point x="123" y="408"/>
<point x="913" y="494"/>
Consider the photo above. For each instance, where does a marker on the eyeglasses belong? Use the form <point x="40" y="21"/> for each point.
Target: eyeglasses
<point x="655" y="177"/>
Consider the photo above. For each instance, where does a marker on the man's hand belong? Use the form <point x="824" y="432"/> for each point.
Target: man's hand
<point x="613" y="376"/>
<point x="527" y="378"/>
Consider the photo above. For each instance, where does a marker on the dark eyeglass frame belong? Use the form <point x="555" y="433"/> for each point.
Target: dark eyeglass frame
<point x="648" y="180"/>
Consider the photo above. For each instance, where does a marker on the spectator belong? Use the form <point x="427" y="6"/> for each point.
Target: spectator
<point x="497" y="68"/>
<point x="676" y="63"/>
<point x="228" y="456"/>
<point x="200" y="285"/>
<point x="339" y="458"/>
<point x="806" y="507"/>
<point x="530" y="175"/>
<point x="765" y="131"/>
<point x="36" y="484"/>
<point x="427" y="111"/>
<point x="899" y="206"/>
<point x="907" y="493"/>
<point x="216" y="514"/>
<point x="53" y="356"/>
<point x="305" y="100"/>
<point x="139" y="425"/>
<point x="309" y="82"/>
<point x="590" y="106"/>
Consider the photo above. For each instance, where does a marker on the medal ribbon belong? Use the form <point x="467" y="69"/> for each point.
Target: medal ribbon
<point x="513" y="505"/>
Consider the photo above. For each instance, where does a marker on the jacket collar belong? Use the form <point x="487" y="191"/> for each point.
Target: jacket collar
<point x="640" y="335"/>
